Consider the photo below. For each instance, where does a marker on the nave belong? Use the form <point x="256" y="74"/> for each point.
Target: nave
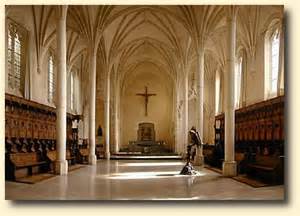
<point x="86" y="83"/>
<point x="140" y="180"/>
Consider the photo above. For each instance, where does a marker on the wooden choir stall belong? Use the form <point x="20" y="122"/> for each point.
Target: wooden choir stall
<point x="30" y="138"/>
<point x="259" y="141"/>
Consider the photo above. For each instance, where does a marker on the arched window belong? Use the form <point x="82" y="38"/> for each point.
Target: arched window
<point x="15" y="57"/>
<point x="274" y="72"/>
<point x="51" y="83"/>
<point x="217" y="93"/>
<point x="272" y="62"/>
<point x="238" y="82"/>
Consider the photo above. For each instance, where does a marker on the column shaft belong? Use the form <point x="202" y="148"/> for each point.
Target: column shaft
<point x="107" y="118"/>
<point x="199" y="160"/>
<point x="186" y="111"/>
<point x="61" y="166"/>
<point x="229" y="165"/>
<point x="92" y="111"/>
<point x="117" y="122"/>
<point x="178" y="144"/>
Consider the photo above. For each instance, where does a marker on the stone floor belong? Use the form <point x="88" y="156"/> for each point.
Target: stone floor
<point x="139" y="180"/>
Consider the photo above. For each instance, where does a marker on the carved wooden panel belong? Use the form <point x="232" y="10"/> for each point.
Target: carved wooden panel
<point x="31" y="120"/>
<point x="259" y="122"/>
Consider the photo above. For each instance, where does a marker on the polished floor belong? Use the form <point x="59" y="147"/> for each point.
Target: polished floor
<point x="139" y="180"/>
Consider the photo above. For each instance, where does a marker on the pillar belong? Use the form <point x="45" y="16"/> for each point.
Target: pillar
<point x="177" y="116"/>
<point x="186" y="112"/>
<point x="117" y="121"/>
<point x="61" y="165"/>
<point x="107" y="117"/>
<point x="229" y="164"/>
<point x="199" y="159"/>
<point x="92" y="107"/>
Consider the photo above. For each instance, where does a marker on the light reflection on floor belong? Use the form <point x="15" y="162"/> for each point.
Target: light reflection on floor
<point x="147" y="175"/>
<point x="139" y="180"/>
<point x="147" y="164"/>
<point x="150" y="174"/>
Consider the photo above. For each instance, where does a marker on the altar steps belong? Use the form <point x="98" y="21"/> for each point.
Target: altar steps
<point x="132" y="156"/>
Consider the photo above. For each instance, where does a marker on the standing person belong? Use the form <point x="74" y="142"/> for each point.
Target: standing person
<point x="195" y="138"/>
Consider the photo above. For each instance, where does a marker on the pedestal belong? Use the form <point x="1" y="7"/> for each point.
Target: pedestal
<point x="198" y="160"/>
<point x="107" y="155"/>
<point x="61" y="167"/>
<point x="229" y="169"/>
<point x="92" y="159"/>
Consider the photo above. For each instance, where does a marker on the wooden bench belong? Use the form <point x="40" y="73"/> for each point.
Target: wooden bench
<point x="52" y="156"/>
<point x="213" y="155"/>
<point x="24" y="161"/>
<point x="208" y="153"/>
<point x="71" y="158"/>
<point x="83" y="155"/>
<point x="240" y="159"/>
<point x="268" y="168"/>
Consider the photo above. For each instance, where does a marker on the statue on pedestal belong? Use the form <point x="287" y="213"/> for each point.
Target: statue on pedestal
<point x="188" y="169"/>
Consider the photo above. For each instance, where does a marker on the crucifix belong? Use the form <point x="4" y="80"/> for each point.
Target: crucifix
<point x="146" y="95"/>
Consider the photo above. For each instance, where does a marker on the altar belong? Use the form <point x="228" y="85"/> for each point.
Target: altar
<point x="146" y="142"/>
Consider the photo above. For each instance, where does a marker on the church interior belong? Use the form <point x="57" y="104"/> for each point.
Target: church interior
<point x="100" y="99"/>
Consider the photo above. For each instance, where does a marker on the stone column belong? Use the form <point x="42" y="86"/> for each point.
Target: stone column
<point x="199" y="160"/>
<point x="61" y="165"/>
<point x="186" y="112"/>
<point x="92" y="107"/>
<point x="177" y="113"/>
<point x="86" y="121"/>
<point x="117" y="122"/>
<point x="107" y="117"/>
<point x="229" y="164"/>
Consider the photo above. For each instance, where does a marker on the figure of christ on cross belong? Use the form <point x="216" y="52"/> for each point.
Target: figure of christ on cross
<point x="146" y="95"/>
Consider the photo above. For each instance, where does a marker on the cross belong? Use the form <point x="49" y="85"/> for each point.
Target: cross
<point x="146" y="95"/>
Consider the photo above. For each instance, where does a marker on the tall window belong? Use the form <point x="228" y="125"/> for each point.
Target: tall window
<point x="272" y="67"/>
<point x="217" y="93"/>
<point x="72" y="91"/>
<point x="238" y="81"/>
<point x="15" y="56"/>
<point x="274" y="63"/>
<point x="51" y="83"/>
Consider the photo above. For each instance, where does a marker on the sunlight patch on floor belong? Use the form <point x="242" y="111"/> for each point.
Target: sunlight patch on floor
<point x="148" y="164"/>
<point x="148" y="175"/>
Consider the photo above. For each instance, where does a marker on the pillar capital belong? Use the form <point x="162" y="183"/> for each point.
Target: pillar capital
<point x="200" y="51"/>
<point x="61" y="11"/>
<point x="92" y="50"/>
<point x="231" y="12"/>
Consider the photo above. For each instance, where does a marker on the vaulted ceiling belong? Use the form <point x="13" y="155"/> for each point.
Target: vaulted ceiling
<point x="167" y="36"/>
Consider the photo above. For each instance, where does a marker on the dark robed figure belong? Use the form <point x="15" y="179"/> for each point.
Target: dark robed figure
<point x="196" y="141"/>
